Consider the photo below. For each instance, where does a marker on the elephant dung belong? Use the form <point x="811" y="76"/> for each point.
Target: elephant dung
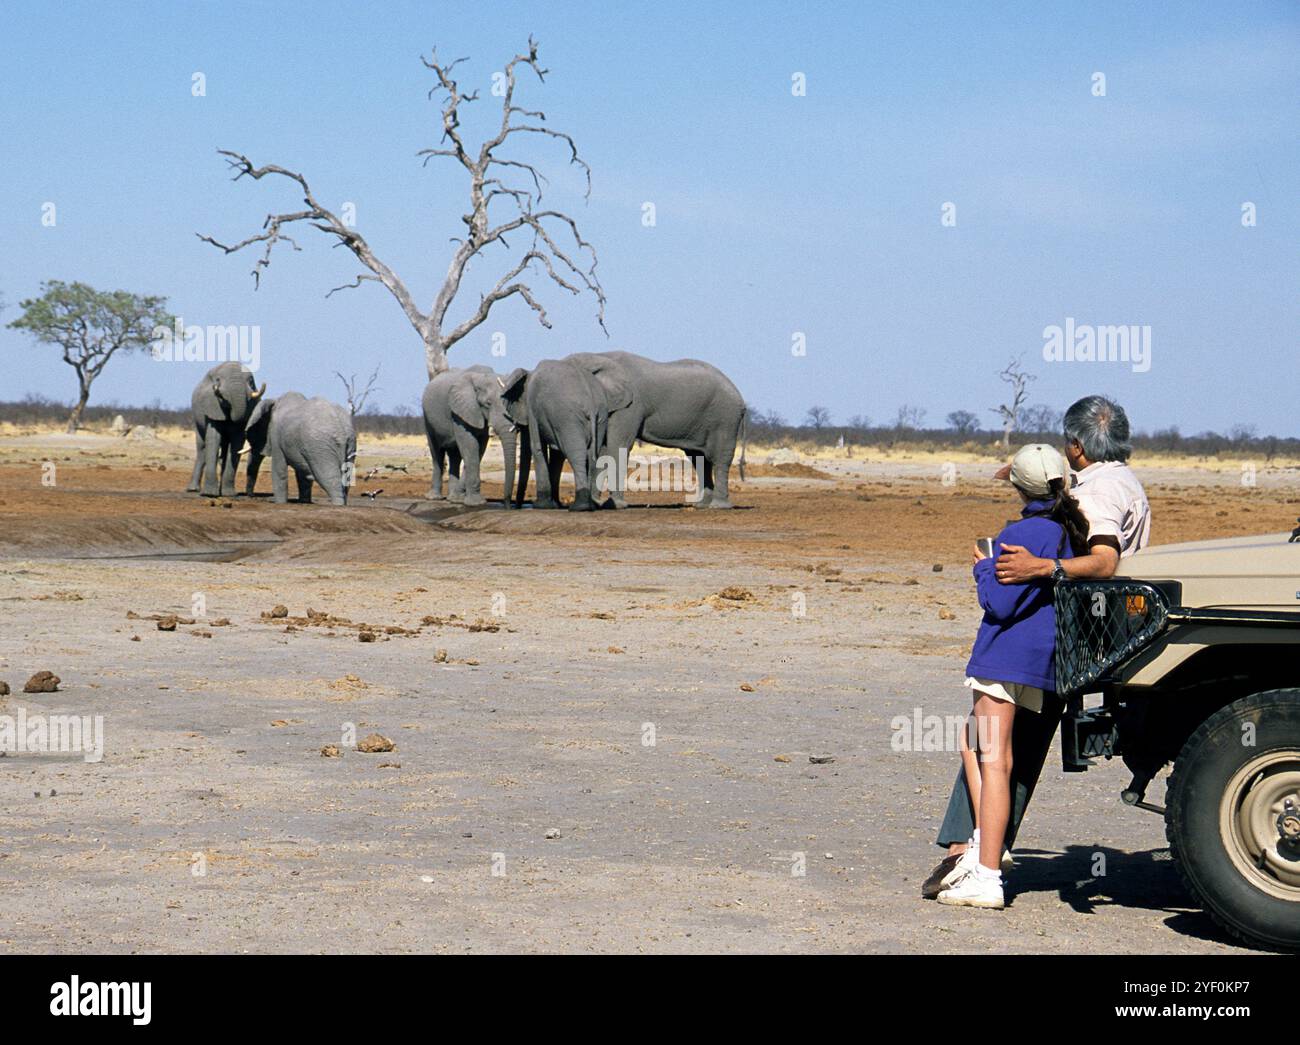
<point x="4" y="688"/>
<point x="375" y="744"/>
<point x="42" y="682"/>
<point x="331" y="751"/>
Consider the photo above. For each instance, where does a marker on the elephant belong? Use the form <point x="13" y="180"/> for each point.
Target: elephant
<point x="222" y="402"/>
<point x="686" y="404"/>
<point x="460" y="406"/>
<point x="314" y="437"/>
<point x="562" y="410"/>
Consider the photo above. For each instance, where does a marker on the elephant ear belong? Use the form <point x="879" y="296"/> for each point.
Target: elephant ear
<point x="609" y="375"/>
<point x="463" y="399"/>
<point x="512" y="387"/>
<point x="618" y="392"/>
<point x="261" y="412"/>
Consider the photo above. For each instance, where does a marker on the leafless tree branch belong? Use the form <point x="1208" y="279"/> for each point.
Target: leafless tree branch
<point x="354" y="284"/>
<point x="357" y="396"/>
<point x="572" y="268"/>
<point x="1015" y="375"/>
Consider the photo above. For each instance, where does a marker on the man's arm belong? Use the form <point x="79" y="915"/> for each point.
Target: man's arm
<point x="1016" y="565"/>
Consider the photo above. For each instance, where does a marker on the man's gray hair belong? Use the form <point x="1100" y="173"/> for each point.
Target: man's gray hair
<point x="1101" y="427"/>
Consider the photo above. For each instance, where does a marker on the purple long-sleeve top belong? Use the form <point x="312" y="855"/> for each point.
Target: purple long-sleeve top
<point x="1017" y="637"/>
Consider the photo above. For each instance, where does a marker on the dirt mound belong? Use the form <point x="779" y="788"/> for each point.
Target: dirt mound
<point x="649" y="522"/>
<point x="201" y="536"/>
<point x="785" y="470"/>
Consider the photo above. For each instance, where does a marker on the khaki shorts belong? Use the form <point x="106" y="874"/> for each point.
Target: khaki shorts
<point x="1028" y="697"/>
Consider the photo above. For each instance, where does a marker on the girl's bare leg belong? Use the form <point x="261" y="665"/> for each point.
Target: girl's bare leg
<point x="995" y="719"/>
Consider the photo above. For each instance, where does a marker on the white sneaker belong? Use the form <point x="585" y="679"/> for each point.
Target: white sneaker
<point x="965" y="865"/>
<point x="974" y="890"/>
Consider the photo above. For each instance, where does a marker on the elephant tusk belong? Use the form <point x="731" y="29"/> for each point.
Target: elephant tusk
<point x="501" y="383"/>
<point x="259" y="393"/>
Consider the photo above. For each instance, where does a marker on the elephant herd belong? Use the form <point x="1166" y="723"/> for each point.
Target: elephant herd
<point x="587" y="409"/>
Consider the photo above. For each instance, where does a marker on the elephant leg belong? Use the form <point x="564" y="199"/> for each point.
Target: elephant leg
<point x="455" y="485"/>
<point x="279" y="478"/>
<point x="547" y="492"/>
<point x="304" y="485"/>
<point x="555" y="469"/>
<point x="471" y="447"/>
<point x="328" y="475"/>
<point x="250" y="479"/>
<point x="230" y="464"/>
<point x="196" y="476"/>
<point x="696" y="461"/>
<point x="211" y="465"/>
<point x="619" y="438"/>
<point x="719" y="464"/>
<point x="580" y="453"/>
<point x="439" y="457"/>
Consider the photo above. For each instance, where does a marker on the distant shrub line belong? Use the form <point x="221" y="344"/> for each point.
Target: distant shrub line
<point x="41" y="410"/>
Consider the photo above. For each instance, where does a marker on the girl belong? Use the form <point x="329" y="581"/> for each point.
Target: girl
<point x="1011" y="663"/>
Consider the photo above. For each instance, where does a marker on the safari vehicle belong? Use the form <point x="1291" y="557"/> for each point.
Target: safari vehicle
<point x="1194" y="651"/>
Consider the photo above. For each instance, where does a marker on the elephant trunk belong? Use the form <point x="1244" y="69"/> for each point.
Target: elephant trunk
<point x="508" y="449"/>
<point x="525" y="463"/>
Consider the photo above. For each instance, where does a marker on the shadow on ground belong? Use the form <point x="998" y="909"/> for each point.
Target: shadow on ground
<point x="1089" y="877"/>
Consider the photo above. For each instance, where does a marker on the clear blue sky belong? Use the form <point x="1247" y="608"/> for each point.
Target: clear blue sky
<point x="775" y="213"/>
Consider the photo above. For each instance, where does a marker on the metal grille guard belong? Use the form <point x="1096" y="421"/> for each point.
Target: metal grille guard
<point x="1100" y="624"/>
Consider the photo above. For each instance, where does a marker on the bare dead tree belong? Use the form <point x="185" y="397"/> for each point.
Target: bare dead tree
<point x="1018" y="378"/>
<point x="818" y="417"/>
<point x="356" y="394"/>
<point x="909" y="418"/>
<point x="493" y="184"/>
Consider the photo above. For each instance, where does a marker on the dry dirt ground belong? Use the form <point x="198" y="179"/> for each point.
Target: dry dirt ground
<point x="605" y="724"/>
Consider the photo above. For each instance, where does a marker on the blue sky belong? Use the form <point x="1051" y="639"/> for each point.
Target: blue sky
<point x="775" y="214"/>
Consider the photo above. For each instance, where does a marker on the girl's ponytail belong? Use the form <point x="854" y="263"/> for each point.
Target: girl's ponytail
<point x="1066" y="511"/>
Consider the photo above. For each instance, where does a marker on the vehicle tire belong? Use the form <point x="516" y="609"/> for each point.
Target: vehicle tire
<point x="1234" y="837"/>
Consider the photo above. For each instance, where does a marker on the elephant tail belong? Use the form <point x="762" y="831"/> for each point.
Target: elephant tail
<point x="744" y="440"/>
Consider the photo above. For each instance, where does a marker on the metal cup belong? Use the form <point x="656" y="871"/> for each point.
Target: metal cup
<point x="985" y="545"/>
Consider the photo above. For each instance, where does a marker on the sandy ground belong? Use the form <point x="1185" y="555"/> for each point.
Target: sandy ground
<point x="541" y="673"/>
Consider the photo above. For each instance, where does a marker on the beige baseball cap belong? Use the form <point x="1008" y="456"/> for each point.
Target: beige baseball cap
<point x="1033" y="468"/>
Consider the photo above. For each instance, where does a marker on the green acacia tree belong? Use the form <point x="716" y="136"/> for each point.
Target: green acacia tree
<point x="91" y="326"/>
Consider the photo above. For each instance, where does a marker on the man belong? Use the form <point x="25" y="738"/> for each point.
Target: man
<point x="1097" y="448"/>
